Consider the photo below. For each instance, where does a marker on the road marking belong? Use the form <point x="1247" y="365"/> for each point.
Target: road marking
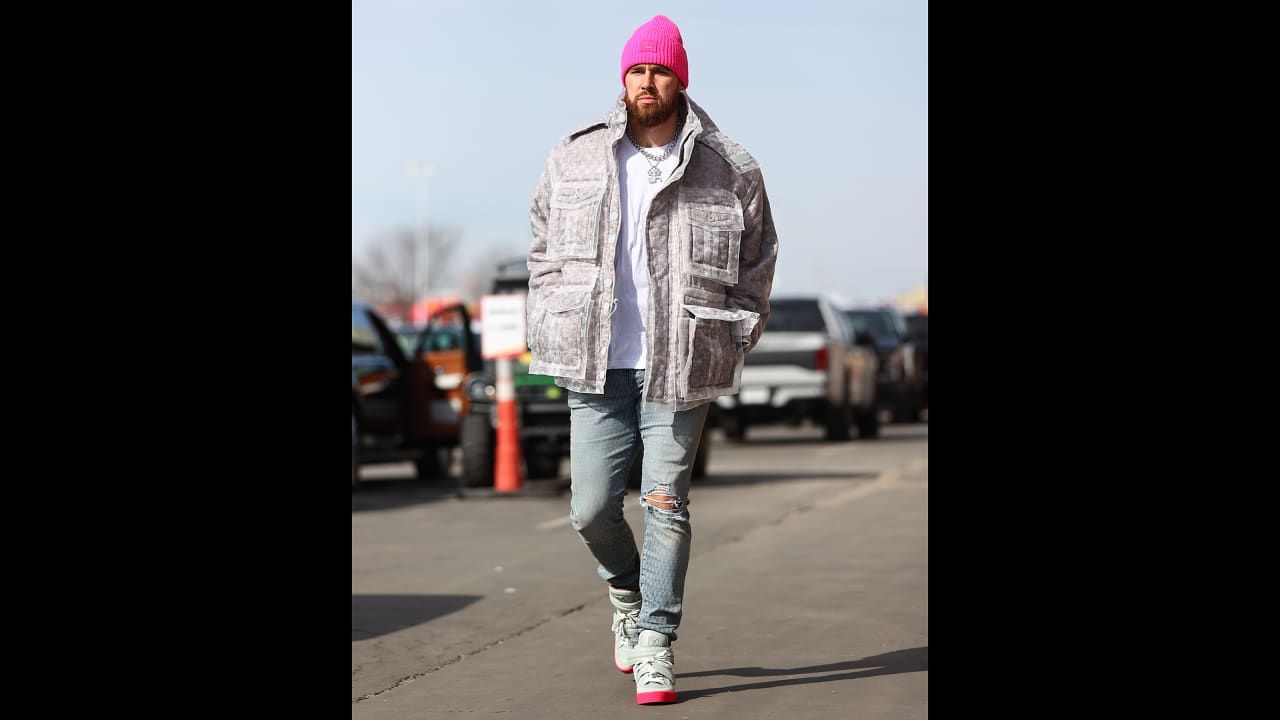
<point x="553" y="524"/>
<point x="884" y="482"/>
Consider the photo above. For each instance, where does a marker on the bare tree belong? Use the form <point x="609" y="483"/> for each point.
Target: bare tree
<point x="403" y="265"/>
<point x="477" y="280"/>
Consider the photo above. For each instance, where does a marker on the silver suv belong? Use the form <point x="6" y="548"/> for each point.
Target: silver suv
<point x="805" y="367"/>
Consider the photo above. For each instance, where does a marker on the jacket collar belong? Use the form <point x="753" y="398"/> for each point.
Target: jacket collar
<point x="696" y="120"/>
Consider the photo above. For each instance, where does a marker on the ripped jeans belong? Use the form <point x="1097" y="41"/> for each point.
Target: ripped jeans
<point x="606" y="433"/>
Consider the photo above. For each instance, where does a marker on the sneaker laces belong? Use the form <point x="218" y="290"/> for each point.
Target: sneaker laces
<point x="646" y="673"/>
<point x="626" y="622"/>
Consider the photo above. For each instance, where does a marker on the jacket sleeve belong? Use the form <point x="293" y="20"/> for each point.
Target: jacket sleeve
<point x="543" y="273"/>
<point x="757" y="256"/>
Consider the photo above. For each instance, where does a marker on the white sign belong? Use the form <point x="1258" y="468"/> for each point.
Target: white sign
<point x="502" y="329"/>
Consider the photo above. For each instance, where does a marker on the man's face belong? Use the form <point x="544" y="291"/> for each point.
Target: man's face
<point x="653" y="93"/>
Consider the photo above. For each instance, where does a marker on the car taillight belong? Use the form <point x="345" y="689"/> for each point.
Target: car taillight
<point x="820" y="359"/>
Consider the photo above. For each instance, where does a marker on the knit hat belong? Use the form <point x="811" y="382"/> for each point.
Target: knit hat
<point x="657" y="41"/>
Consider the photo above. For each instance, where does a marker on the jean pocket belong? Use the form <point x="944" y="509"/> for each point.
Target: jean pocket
<point x="573" y="226"/>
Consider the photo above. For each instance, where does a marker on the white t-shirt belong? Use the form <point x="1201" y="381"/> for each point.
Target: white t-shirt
<point x="631" y="262"/>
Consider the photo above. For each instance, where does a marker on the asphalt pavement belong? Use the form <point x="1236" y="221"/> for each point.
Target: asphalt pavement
<point x="820" y="611"/>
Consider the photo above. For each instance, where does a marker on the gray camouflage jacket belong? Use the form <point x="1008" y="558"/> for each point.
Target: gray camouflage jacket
<point x="712" y="249"/>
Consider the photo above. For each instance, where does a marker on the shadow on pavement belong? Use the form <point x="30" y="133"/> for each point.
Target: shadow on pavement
<point x="896" y="437"/>
<point x="781" y="435"/>
<point x="374" y="615"/>
<point x="818" y="442"/>
<point x="744" y="478"/>
<point x="890" y="663"/>
<point x="383" y="494"/>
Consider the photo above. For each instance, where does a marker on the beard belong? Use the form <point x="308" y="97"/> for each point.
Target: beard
<point x="651" y="115"/>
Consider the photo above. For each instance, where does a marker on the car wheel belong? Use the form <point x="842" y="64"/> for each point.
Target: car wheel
<point x="868" y="422"/>
<point x="542" y="465"/>
<point x="735" y="428"/>
<point x="477" y="451"/>
<point x="430" y="465"/>
<point x="906" y="410"/>
<point x="839" y="417"/>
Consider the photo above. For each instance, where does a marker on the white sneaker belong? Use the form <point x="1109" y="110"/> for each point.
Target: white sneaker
<point x="655" y="668"/>
<point x="626" y="608"/>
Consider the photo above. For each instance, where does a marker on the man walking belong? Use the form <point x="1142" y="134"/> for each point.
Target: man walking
<point x="650" y="270"/>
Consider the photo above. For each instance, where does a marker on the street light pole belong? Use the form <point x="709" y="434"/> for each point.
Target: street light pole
<point x="424" y="170"/>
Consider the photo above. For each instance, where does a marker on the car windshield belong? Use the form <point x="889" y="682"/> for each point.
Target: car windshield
<point x="795" y="316"/>
<point x="511" y="285"/>
<point x="448" y="337"/>
<point x="879" y="324"/>
<point x="408" y="338"/>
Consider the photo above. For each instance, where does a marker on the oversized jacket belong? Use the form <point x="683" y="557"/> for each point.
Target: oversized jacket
<point x="711" y="248"/>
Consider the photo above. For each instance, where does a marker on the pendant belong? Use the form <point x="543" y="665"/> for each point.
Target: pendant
<point x="654" y="174"/>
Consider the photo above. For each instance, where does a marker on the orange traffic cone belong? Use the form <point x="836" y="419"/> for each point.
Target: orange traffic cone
<point x="506" y="468"/>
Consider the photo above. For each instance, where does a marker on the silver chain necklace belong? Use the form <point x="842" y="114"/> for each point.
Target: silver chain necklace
<point x="654" y="173"/>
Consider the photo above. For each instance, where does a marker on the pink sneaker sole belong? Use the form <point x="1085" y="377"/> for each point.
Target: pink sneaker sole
<point x="659" y="696"/>
<point x="626" y="669"/>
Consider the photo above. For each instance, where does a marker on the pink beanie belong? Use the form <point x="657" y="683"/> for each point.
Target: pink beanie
<point x="657" y="41"/>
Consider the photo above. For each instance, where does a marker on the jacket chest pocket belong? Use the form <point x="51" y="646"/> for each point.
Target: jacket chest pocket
<point x="573" y="226"/>
<point x="560" y="334"/>
<point x="714" y="235"/>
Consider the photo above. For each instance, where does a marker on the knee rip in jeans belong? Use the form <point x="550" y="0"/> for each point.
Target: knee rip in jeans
<point x="661" y="498"/>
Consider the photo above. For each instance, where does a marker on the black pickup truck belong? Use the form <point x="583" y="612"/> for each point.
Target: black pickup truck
<point x="900" y="379"/>
<point x="918" y="333"/>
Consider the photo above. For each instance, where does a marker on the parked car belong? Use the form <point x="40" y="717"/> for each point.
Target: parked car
<point x="899" y="385"/>
<point x="918" y="332"/>
<point x="805" y="367"/>
<point x="407" y="406"/>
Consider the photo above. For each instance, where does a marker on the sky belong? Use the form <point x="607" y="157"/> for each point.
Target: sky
<point x="455" y="105"/>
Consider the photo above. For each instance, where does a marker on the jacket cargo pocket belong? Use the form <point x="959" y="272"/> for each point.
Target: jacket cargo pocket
<point x="710" y="350"/>
<point x="714" y="237"/>
<point x="573" y="227"/>
<point x="560" y="336"/>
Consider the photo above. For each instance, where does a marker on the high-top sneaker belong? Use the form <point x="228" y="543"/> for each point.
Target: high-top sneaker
<point x="626" y="608"/>
<point x="655" y="668"/>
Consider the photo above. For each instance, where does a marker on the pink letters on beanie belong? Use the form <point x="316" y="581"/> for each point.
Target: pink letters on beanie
<point x="658" y="42"/>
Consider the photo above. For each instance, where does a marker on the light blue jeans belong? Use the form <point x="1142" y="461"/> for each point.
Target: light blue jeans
<point x="607" y="431"/>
